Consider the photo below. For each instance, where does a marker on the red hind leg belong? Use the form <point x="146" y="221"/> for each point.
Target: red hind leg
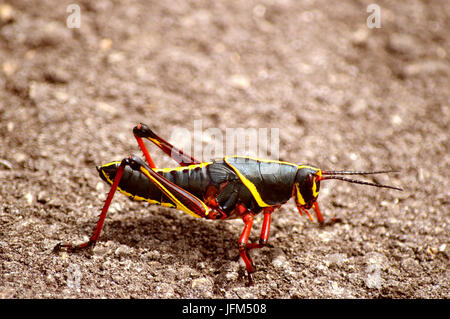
<point x="98" y="228"/>
<point x="181" y="198"/>
<point x="143" y="131"/>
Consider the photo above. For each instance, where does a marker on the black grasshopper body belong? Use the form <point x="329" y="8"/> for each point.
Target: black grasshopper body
<point x="254" y="183"/>
<point x="231" y="187"/>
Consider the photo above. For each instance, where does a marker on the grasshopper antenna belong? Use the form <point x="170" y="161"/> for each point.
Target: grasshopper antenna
<point x="334" y="175"/>
<point x="358" y="172"/>
<point x="360" y="182"/>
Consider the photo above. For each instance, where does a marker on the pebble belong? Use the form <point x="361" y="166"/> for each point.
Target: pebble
<point x="115" y="57"/>
<point x="373" y="279"/>
<point x="6" y="13"/>
<point x="204" y="285"/>
<point x="105" y="44"/>
<point x="10" y="126"/>
<point x="57" y="76"/>
<point x="108" y="108"/>
<point x="99" y="186"/>
<point x="280" y="260"/>
<point x="9" y="67"/>
<point x="198" y="282"/>
<point x="231" y="276"/>
<point x="426" y="67"/>
<point x="122" y="250"/>
<point x="61" y="96"/>
<point x="396" y="119"/>
<point x="19" y="157"/>
<point x="336" y="259"/>
<point x="360" y="36"/>
<point x="6" y="163"/>
<point x="29" y="198"/>
<point x="42" y="197"/>
<point x="403" y="43"/>
<point x="239" y="81"/>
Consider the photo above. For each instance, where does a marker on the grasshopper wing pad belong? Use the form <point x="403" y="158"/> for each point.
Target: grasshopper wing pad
<point x="220" y="172"/>
<point x="270" y="182"/>
<point x="182" y="199"/>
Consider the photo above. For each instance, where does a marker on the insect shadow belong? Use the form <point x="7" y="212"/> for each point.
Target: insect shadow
<point x="173" y="235"/>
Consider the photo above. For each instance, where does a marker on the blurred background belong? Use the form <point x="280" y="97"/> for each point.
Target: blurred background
<point x="343" y="94"/>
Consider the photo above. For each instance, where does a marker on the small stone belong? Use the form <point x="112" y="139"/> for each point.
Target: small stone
<point x="61" y="96"/>
<point x="336" y="259"/>
<point x="99" y="186"/>
<point x="10" y="126"/>
<point x="105" y="107"/>
<point x="231" y="276"/>
<point x="19" y="157"/>
<point x="6" y="13"/>
<point x="57" y="76"/>
<point x="426" y="67"/>
<point x="29" y="198"/>
<point x="279" y="261"/>
<point x="105" y="44"/>
<point x="9" y="67"/>
<point x="122" y="250"/>
<point x="384" y="203"/>
<point x="373" y="279"/>
<point x="396" y="119"/>
<point x="115" y="57"/>
<point x="360" y="36"/>
<point x="239" y="81"/>
<point x="42" y="197"/>
<point x="201" y="284"/>
<point x="432" y="250"/>
<point x="5" y="163"/>
<point x="403" y="43"/>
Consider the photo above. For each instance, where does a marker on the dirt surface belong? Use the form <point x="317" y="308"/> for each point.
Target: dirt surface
<point x="343" y="96"/>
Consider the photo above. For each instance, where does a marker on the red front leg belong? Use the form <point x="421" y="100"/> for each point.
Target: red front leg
<point x="318" y="213"/>
<point x="243" y="250"/>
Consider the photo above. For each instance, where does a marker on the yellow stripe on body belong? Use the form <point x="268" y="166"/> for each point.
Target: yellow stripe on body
<point x="314" y="188"/>
<point x="181" y="168"/>
<point x="169" y="169"/>
<point x="299" y="197"/>
<point x="135" y="197"/>
<point x="274" y="161"/>
<point x="179" y="205"/>
<point x="260" y="160"/>
<point x="251" y="187"/>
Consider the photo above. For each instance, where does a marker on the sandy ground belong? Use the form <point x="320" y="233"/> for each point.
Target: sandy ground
<point x="343" y="96"/>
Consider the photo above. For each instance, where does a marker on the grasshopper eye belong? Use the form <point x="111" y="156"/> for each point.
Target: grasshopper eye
<point x="310" y="179"/>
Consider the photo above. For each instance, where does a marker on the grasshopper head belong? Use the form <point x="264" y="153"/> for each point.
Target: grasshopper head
<point x="307" y="186"/>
